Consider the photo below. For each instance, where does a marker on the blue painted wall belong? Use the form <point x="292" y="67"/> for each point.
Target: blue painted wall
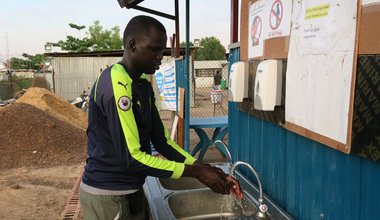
<point x="182" y="80"/>
<point x="307" y="179"/>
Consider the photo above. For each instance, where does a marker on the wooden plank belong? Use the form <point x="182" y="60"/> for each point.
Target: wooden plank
<point x="181" y="132"/>
<point x="181" y="102"/>
<point x="244" y="28"/>
<point x="353" y="80"/>
<point x="317" y="137"/>
<point x="174" y="128"/>
<point x="369" y="30"/>
<point x="181" y="123"/>
<point x="276" y="48"/>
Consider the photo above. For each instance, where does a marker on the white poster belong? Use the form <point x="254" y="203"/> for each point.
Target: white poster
<point x="257" y="29"/>
<point x="267" y="19"/>
<point x="320" y="66"/>
<point x="166" y="83"/>
<point x="280" y="12"/>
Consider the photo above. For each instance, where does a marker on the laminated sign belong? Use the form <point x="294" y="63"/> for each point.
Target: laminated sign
<point x="267" y="19"/>
<point x="166" y="83"/>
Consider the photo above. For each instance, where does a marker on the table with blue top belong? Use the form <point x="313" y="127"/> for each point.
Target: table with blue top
<point x="220" y="123"/>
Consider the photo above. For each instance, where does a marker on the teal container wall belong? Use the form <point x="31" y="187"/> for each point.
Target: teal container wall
<point x="182" y="81"/>
<point x="180" y="73"/>
<point x="308" y="180"/>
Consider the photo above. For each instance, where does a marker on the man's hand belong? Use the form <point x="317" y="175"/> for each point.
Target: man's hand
<point x="235" y="187"/>
<point x="198" y="163"/>
<point x="215" y="179"/>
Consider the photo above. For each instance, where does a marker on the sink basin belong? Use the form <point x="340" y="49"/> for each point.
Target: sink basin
<point x="205" y="204"/>
<point x="183" y="183"/>
<point x="188" y="199"/>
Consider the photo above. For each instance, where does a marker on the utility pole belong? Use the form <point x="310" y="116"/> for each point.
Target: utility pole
<point x="8" y="60"/>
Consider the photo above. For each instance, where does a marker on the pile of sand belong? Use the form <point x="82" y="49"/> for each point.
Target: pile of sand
<point x="55" y="106"/>
<point x="42" y="129"/>
<point x="32" y="137"/>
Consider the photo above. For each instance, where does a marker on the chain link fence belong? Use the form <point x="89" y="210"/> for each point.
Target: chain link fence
<point x="10" y="83"/>
<point x="209" y="95"/>
<point x="209" y="88"/>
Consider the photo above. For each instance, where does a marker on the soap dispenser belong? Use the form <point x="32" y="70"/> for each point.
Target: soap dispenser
<point x="238" y="82"/>
<point x="268" y="85"/>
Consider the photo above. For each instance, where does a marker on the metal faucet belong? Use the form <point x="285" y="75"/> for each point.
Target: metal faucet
<point x="229" y="159"/>
<point x="262" y="207"/>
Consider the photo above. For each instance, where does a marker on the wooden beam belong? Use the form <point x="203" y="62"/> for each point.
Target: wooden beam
<point x="234" y="28"/>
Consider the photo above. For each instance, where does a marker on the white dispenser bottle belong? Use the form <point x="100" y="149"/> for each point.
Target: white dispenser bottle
<point x="268" y="85"/>
<point x="238" y="82"/>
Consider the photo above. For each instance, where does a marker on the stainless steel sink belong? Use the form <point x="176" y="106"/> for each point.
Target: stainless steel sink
<point x="183" y="183"/>
<point x="188" y="199"/>
<point x="205" y="204"/>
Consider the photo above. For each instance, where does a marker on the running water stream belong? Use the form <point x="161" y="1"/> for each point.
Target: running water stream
<point x="230" y="200"/>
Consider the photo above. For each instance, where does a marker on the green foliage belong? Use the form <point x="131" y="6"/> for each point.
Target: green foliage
<point x="78" y="27"/>
<point x="210" y="49"/>
<point x="73" y="44"/>
<point x="104" y="39"/>
<point x="17" y="63"/>
<point x="22" y="82"/>
<point x="39" y="60"/>
<point x="29" y="62"/>
<point x="183" y="44"/>
<point x="97" y="39"/>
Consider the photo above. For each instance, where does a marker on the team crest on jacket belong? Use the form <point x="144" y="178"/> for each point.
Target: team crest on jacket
<point x="124" y="103"/>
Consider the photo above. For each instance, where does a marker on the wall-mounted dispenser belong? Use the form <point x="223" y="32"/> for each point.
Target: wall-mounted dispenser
<point x="238" y="82"/>
<point x="268" y="84"/>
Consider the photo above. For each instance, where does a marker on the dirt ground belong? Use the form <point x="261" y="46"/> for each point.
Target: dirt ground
<point x="36" y="193"/>
<point x="43" y="149"/>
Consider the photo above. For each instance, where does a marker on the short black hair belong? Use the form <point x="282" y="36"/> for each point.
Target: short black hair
<point x="141" y="25"/>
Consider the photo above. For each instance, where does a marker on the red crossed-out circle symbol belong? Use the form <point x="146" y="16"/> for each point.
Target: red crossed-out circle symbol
<point x="276" y="14"/>
<point x="256" y="30"/>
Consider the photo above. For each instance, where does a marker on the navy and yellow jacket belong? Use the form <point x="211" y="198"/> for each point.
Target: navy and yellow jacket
<point x="123" y="123"/>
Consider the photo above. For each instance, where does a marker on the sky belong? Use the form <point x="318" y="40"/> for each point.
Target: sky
<point x="25" y="26"/>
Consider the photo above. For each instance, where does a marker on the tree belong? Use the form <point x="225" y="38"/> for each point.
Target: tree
<point x="183" y="44"/>
<point x="97" y="39"/>
<point x="17" y="63"/>
<point x="78" y="27"/>
<point x="28" y="62"/>
<point x="104" y="39"/>
<point x="210" y="49"/>
<point x="73" y="44"/>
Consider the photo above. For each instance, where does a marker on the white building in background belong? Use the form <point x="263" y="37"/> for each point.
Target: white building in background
<point x="205" y="70"/>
